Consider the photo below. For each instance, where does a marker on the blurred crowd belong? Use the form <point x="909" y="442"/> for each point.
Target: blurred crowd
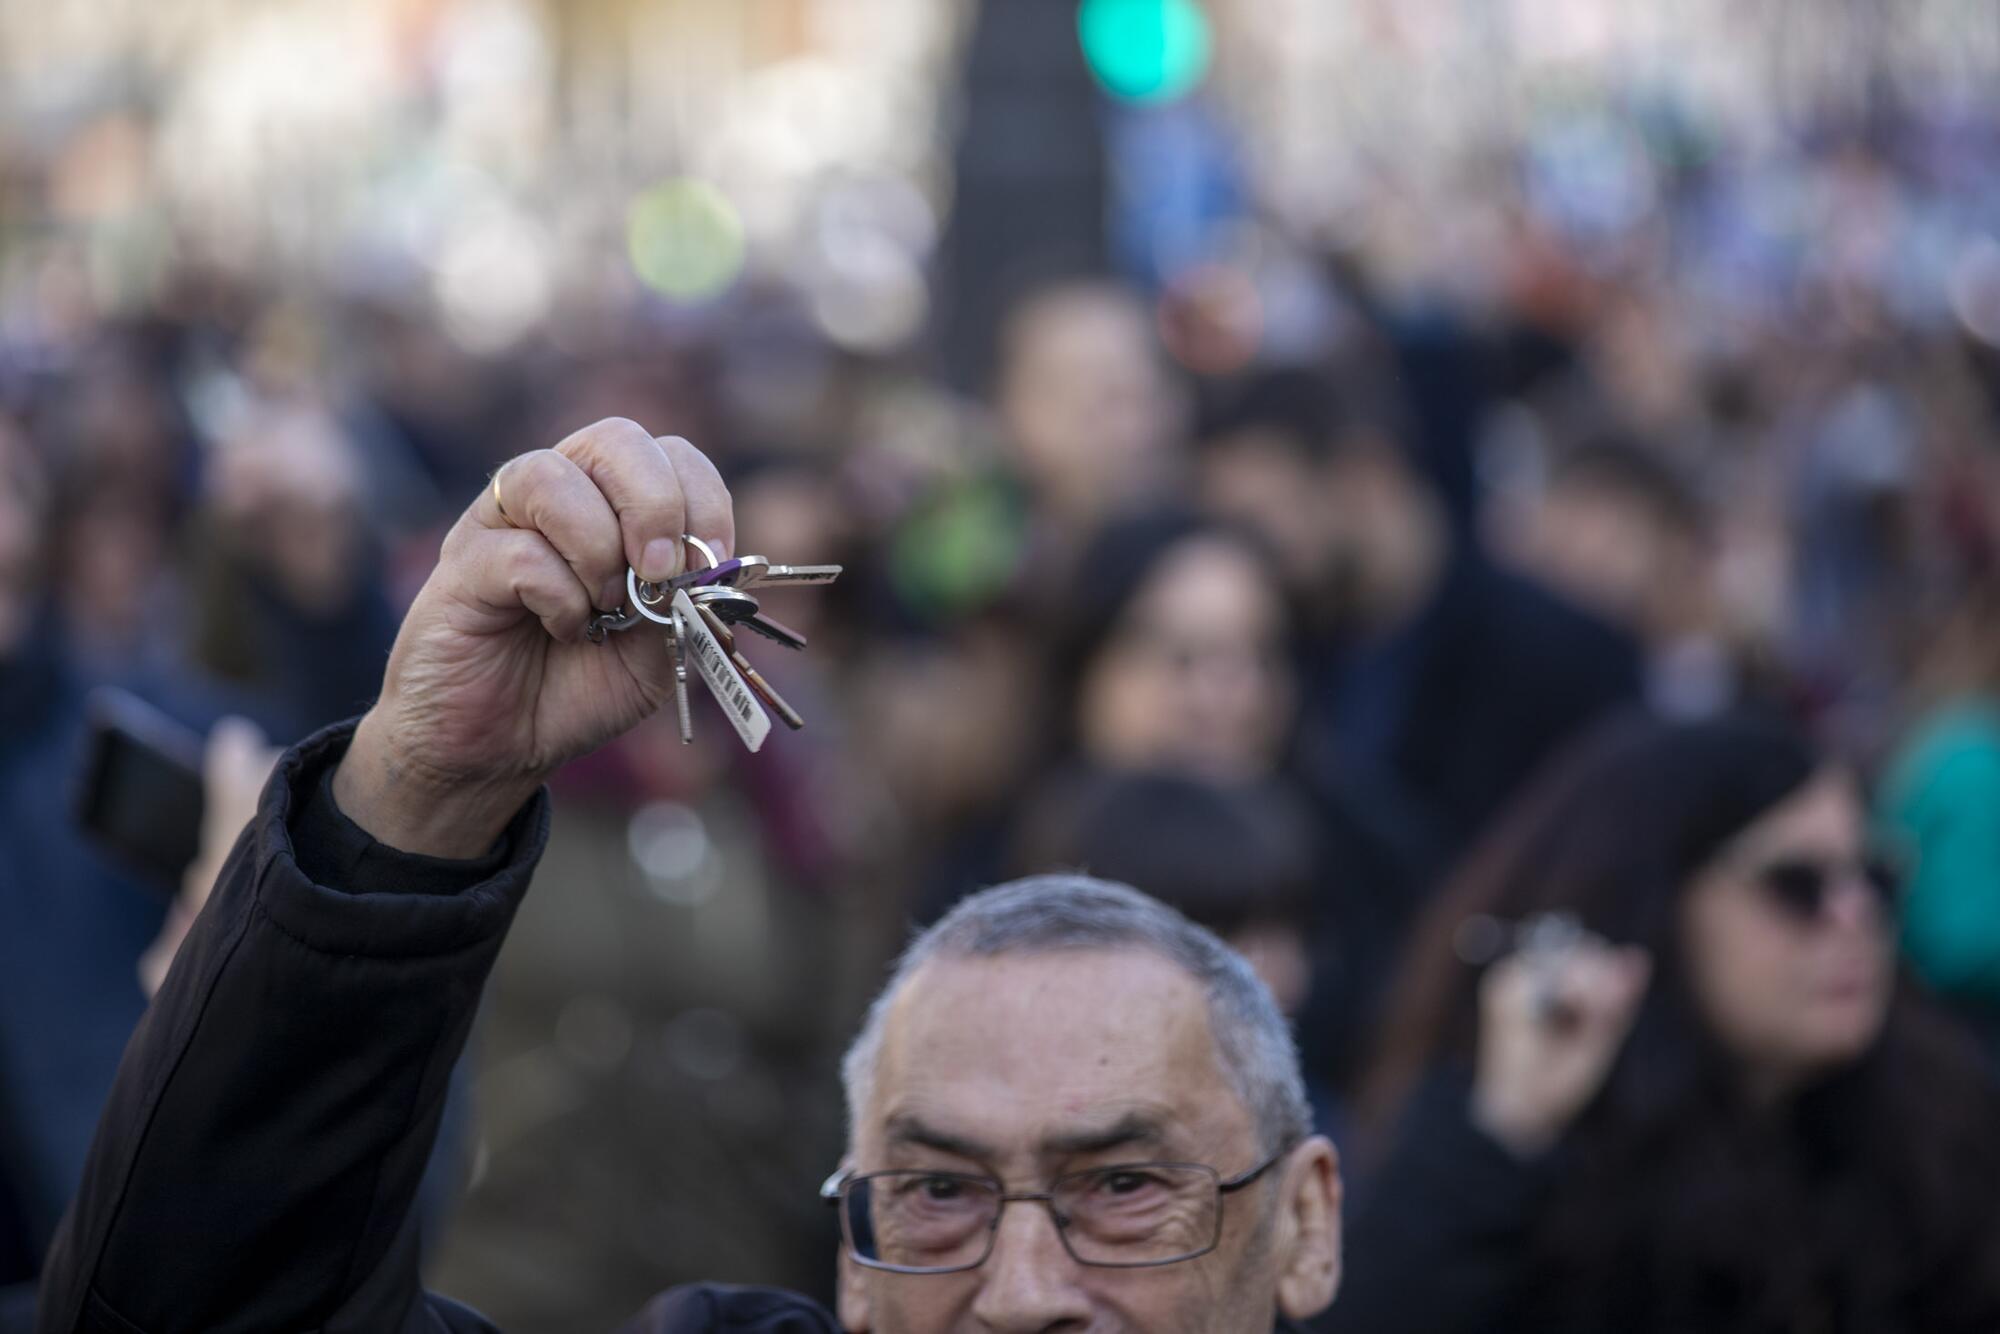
<point x="1275" y="615"/>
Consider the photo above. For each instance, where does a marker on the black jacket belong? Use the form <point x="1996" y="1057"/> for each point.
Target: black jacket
<point x="256" y="1164"/>
<point x="1444" y="1240"/>
<point x="1452" y="713"/>
<point x="1438" y="1235"/>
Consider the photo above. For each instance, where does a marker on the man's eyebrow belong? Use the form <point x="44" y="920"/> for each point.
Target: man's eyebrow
<point x="906" y="1129"/>
<point x="1134" y="1128"/>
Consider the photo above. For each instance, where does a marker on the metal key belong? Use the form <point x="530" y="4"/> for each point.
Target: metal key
<point x="772" y="629"/>
<point x="736" y="607"/>
<point x="716" y="602"/>
<point x="731" y="604"/>
<point x="748" y="570"/>
<point x="809" y="576"/>
<point x="764" y="689"/>
<point x="725" y="682"/>
<point x="677" y="651"/>
<point x="728" y="572"/>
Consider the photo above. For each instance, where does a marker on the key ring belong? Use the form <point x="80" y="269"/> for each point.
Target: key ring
<point x="707" y="551"/>
<point x="643" y="595"/>
<point x="646" y="595"/>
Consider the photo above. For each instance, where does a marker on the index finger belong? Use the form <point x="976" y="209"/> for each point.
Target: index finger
<point x="642" y="487"/>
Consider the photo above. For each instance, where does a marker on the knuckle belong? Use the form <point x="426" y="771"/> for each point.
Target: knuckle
<point x="522" y="564"/>
<point x="621" y="428"/>
<point x="607" y="436"/>
<point x="685" y="454"/>
<point x="452" y="547"/>
<point x="536" y="470"/>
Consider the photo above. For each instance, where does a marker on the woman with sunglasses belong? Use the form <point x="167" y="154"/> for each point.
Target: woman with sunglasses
<point x="1652" y="1068"/>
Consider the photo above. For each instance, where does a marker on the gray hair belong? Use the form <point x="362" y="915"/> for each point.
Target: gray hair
<point x="1049" y="913"/>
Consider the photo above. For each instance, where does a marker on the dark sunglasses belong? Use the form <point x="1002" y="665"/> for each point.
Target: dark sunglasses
<point x="1800" y="886"/>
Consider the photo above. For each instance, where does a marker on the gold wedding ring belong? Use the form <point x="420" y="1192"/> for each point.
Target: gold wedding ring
<point x="498" y="503"/>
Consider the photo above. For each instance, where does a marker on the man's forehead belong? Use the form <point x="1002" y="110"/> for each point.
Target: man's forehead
<point x="1031" y="1050"/>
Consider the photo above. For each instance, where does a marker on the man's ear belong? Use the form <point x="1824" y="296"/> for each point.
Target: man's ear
<point x="1309" y="1230"/>
<point x="855" y="1316"/>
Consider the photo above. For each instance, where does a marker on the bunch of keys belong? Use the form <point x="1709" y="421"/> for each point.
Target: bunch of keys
<point x="702" y="610"/>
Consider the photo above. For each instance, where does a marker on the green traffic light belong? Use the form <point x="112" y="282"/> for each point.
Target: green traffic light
<point x="1145" y="50"/>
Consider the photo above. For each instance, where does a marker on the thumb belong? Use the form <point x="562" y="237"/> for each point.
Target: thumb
<point x="1635" y="973"/>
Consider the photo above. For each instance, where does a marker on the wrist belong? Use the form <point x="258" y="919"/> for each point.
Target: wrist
<point x="1522" y="1130"/>
<point x="411" y="807"/>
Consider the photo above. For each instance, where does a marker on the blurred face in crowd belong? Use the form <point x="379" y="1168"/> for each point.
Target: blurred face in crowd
<point x="1276" y="951"/>
<point x="1615" y="556"/>
<point x="1355" y="532"/>
<point x="23" y="507"/>
<point x="1260" y="478"/>
<point x="1195" y="676"/>
<point x="1027" y="1067"/>
<point x="1088" y="409"/>
<point x="1789" y="946"/>
<point x="942" y="757"/>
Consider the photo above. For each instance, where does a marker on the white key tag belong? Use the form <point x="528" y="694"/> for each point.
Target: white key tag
<point x="745" y="714"/>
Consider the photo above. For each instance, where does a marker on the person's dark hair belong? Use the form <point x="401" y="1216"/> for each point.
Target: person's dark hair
<point x="1227" y="856"/>
<point x="1637" y="471"/>
<point x="1673" y="1190"/>
<point x="1311" y="411"/>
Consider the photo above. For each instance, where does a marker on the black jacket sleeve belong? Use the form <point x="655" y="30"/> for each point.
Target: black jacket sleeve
<point x="255" y="1165"/>
<point x="1437" y="1243"/>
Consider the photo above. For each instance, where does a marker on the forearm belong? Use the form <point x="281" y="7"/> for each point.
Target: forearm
<point x="261" y="1148"/>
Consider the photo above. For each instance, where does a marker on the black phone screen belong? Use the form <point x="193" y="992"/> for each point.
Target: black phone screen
<point x="141" y="792"/>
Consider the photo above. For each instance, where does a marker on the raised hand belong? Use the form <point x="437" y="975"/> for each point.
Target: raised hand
<point x="492" y="683"/>
<point x="236" y="764"/>
<point x="1551" y="1022"/>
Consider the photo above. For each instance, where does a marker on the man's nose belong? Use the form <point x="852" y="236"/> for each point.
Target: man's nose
<point x="1030" y="1283"/>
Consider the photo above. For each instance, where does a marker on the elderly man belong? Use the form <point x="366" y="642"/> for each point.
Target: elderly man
<point x="1071" y="1110"/>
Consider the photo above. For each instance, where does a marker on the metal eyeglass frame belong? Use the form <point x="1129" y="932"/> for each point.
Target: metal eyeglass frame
<point x="836" y="1187"/>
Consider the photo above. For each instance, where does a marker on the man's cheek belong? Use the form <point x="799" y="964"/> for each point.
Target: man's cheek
<point x="920" y="1304"/>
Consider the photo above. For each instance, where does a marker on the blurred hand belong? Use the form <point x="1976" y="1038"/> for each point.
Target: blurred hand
<point x="1550" y="1025"/>
<point x="492" y="684"/>
<point x="237" y="764"/>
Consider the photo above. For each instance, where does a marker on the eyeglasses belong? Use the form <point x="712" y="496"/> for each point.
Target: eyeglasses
<point x="1126" y="1216"/>
<point x="1800" y="885"/>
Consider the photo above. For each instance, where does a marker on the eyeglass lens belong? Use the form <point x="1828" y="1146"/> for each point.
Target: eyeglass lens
<point x="1801" y="885"/>
<point x="1146" y="1214"/>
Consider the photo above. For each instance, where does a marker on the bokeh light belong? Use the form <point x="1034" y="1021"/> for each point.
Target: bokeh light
<point x="862" y="261"/>
<point x="686" y="240"/>
<point x="1145" y="50"/>
<point x="493" y="281"/>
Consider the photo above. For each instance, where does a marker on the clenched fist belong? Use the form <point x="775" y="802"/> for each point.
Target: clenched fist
<point x="492" y="684"/>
